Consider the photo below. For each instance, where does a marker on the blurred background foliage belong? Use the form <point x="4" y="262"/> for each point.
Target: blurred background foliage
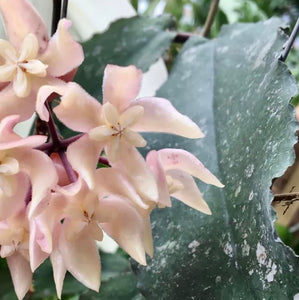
<point x="191" y="15"/>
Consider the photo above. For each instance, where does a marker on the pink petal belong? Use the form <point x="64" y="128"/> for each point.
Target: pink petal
<point x="77" y="109"/>
<point x="161" y="116"/>
<point x="148" y="238"/>
<point x="37" y="256"/>
<point x="42" y="96"/>
<point x="133" y="165"/>
<point x="20" y="273"/>
<point x="63" y="53"/>
<point x="121" y="85"/>
<point x="111" y="181"/>
<point x="124" y="224"/>
<point x="82" y="260"/>
<point x="59" y="270"/>
<point x="154" y="162"/>
<point x="12" y="105"/>
<point x="190" y="194"/>
<point x="187" y="162"/>
<point x="13" y="204"/>
<point x="83" y="156"/>
<point x="43" y="179"/>
<point x="21" y="18"/>
<point x="9" y="139"/>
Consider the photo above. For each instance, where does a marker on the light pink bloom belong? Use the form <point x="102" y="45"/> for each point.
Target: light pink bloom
<point x="30" y="59"/>
<point x="115" y="124"/>
<point x="14" y="243"/>
<point x="85" y="214"/>
<point x="174" y="169"/>
<point x="22" y="167"/>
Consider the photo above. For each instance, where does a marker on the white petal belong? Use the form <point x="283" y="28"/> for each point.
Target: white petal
<point x="35" y="67"/>
<point x="7" y="72"/>
<point x="29" y="48"/>
<point x="110" y="114"/>
<point x="134" y="138"/>
<point x="101" y="133"/>
<point x="21" y="84"/>
<point x="131" y="116"/>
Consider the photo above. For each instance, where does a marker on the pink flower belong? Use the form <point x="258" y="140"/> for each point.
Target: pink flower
<point x="115" y="124"/>
<point x="86" y="214"/>
<point x="22" y="167"/>
<point x="14" y="244"/>
<point x="173" y="169"/>
<point x="30" y="59"/>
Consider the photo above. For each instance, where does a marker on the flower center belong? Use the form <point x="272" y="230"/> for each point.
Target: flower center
<point x="21" y="66"/>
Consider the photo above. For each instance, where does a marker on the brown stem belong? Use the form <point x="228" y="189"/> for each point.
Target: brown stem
<point x="210" y="19"/>
<point x="290" y="42"/>
<point x="285" y="197"/>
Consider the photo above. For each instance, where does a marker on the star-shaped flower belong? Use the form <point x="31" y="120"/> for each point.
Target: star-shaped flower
<point x="29" y="59"/>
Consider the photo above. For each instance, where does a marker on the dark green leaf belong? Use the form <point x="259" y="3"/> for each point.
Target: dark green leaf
<point x="238" y="92"/>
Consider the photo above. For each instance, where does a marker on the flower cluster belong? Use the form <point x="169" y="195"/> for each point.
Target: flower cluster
<point x="55" y="199"/>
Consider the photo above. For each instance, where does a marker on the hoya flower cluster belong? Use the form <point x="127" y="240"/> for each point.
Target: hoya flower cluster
<point x="55" y="200"/>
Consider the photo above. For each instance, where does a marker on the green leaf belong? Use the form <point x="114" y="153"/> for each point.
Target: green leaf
<point x="238" y="92"/>
<point x="139" y="41"/>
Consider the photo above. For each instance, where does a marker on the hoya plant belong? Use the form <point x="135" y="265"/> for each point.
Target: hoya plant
<point x="180" y="180"/>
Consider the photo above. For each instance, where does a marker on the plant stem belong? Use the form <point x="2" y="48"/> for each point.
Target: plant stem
<point x="56" y="15"/>
<point x="290" y="42"/>
<point x="68" y="168"/>
<point x="210" y="19"/>
<point x="64" y="9"/>
<point x="285" y="197"/>
<point x="52" y="128"/>
<point x="63" y="144"/>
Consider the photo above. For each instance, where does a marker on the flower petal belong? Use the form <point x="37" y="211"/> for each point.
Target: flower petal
<point x="187" y="162"/>
<point x="83" y="156"/>
<point x="161" y="116"/>
<point x="7" y="50"/>
<point x="43" y="93"/>
<point x="37" y="256"/>
<point x="20" y="273"/>
<point x="7" y="72"/>
<point x="29" y="48"/>
<point x="10" y="205"/>
<point x="35" y="67"/>
<point x="77" y="109"/>
<point x="21" y="18"/>
<point x="21" y="84"/>
<point x="131" y="116"/>
<point x="101" y="133"/>
<point x="111" y="181"/>
<point x="124" y="224"/>
<point x="110" y="114"/>
<point x="9" y="139"/>
<point x="82" y="259"/>
<point x="190" y="193"/>
<point x="42" y="179"/>
<point x="59" y="270"/>
<point x="121" y="85"/>
<point x="134" y="138"/>
<point x="133" y="165"/>
<point x="12" y="105"/>
<point x="63" y="53"/>
<point x="154" y="162"/>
